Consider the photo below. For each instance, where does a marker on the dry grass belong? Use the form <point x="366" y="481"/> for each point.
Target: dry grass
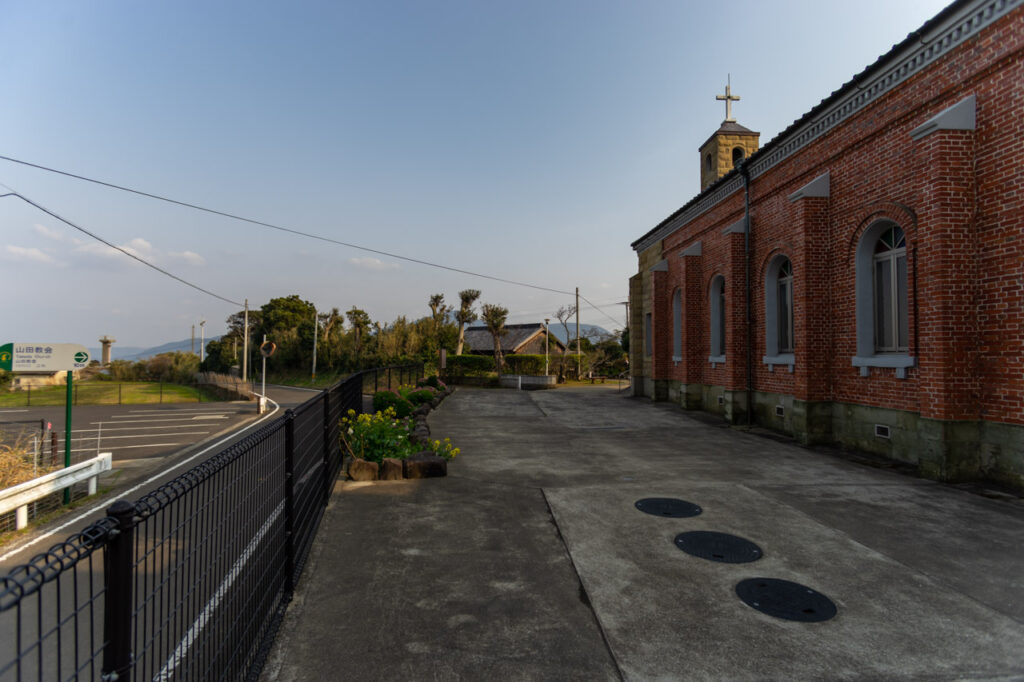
<point x="16" y="464"/>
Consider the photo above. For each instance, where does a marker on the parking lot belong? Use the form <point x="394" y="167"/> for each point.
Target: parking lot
<point x="128" y="432"/>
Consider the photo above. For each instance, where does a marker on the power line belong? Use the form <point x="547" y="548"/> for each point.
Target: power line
<point x="280" y="228"/>
<point x="597" y="308"/>
<point x="98" y="238"/>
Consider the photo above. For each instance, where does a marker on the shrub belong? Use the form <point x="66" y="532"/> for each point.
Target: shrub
<point x="382" y="400"/>
<point x="374" y="437"/>
<point x="470" y="365"/>
<point x="418" y="396"/>
<point x="432" y="381"/>
<point x="524" y="364"/>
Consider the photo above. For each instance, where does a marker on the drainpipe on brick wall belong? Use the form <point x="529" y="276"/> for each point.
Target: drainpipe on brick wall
<point x="745" y="172"/>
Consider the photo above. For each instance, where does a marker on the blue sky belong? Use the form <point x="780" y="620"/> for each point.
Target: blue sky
<point x="531" y="141"/>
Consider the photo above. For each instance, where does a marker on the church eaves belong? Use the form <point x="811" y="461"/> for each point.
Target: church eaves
<point x="946" y="31"/>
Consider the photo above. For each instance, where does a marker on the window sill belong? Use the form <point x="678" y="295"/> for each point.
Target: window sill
<point x="786" y="359"/>
<point x="716" y="360"/>
<point x="899" y="361"/>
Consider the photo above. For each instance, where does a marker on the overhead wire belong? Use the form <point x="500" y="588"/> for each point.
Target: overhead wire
<point x="281" y="228"/>
<point x="98" y="238"/>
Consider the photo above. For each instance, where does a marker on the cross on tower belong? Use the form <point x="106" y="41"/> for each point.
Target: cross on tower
<point x="728" y="98"/>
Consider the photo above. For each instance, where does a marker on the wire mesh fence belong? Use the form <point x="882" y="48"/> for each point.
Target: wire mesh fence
<point x="189" y="582"/>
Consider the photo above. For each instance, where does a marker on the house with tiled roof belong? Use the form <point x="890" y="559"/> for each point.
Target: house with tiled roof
<point x="519" y="339"/>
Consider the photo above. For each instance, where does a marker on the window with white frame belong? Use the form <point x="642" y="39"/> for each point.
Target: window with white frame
<point x="778" y="312"/>
<point x="883" y="314"/>
<point x="677" y="325"/>
<point x="890" y="291"/>
<point x="717" y="308"/>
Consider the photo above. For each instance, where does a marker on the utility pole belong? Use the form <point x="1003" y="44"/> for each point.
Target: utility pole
<point x="579" y="364"/>
<point x="546" y="334"/>
<point x="245" y="344"/>
<point x="263" y="391"/>
<point x="193" y="347"/>
<point x="316" y="333"/>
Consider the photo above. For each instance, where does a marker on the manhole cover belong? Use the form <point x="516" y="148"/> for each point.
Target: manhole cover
<point x="713" y="546"/>
<point x="668" y="506"/>
<point x="785" y="599"/>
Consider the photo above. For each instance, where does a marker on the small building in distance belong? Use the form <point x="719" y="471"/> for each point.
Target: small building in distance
<point x="859" y="279"/>
<point x="519" y="339"/>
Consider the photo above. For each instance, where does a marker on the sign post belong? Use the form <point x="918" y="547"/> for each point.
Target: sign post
<point x="49" y="357"/>
<point x="267" y="349"/>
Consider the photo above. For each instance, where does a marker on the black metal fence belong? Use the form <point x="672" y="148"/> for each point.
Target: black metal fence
<point x="190" y="581"/>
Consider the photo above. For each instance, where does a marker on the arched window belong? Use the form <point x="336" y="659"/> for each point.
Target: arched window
<point x="778" y="312"/>
<point x="737" y="155"/>
<point x="717" y="308"/>
<point x="890" y="291"/>
<point x="707" y="162"/>
<point x="677" y="325"/>
<point x="883" y="315"/>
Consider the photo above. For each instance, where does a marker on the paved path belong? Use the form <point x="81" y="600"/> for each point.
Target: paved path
<point x="530" y="561"/>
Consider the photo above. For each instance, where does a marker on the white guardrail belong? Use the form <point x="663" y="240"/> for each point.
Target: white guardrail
<point x="20" y="496"/>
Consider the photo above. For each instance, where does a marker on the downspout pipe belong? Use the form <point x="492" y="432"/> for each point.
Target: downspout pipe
<point x="745" y="173"/>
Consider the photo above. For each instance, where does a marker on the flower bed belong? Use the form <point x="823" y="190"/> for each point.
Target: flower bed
<point x="394" y="442"/>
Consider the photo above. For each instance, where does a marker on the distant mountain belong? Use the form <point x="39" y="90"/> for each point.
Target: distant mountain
<point x="587" y="331"/>
<point x="134" y="353"/>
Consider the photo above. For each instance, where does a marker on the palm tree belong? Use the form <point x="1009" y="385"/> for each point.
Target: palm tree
<point x="465" y="315"/>
<point x="494" y="317"/>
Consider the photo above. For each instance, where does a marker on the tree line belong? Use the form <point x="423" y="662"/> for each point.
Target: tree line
<point x="350" y="341"/>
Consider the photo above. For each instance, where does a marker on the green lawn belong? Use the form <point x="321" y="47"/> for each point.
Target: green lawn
<point x="107" y="393"/>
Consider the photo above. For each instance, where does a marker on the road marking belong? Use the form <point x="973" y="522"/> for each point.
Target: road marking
<point x="127" y="447"/>
<point x="128" y="428"/>
<point x="146" y="435"/>
<point x="209" y="411"/>
<point x="297" y="388"/>
<point x="211" y="416"/>
<point x="151" y="479"/>
<point x="10" y="411"/>
<point x="200" y="622"/>
<point x="147" y="421"/>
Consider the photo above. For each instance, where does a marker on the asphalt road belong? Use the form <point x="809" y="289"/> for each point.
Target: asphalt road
<point x="151" y="444"/>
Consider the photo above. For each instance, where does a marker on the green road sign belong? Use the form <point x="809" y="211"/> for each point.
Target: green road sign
<point x="43" y="357"/>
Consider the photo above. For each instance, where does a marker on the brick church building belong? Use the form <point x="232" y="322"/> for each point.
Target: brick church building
<point x="858" y="280"/>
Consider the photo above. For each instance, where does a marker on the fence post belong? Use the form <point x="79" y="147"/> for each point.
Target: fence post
<point x="327" y="445"/>
<point x="117" y="579"/>
<point x="161" y="393"/>
<point x="376" y="373"/>
<point x="289" y="502"/>
<point x="119" y="387"/>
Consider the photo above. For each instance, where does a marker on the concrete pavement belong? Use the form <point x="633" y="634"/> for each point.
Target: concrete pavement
<point x="530" y="561"/>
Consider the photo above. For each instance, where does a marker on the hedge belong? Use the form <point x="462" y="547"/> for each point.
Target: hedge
<point x="470" y="365"/>
<point x="525" y="364"/>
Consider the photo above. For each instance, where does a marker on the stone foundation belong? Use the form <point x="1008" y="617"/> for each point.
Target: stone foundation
<point x="942" y="450"/>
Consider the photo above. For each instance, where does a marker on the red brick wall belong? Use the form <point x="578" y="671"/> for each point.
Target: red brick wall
<point x="958" y="195"/>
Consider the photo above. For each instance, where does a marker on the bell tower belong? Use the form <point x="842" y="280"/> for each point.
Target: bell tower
<point x="727" y="146"/>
